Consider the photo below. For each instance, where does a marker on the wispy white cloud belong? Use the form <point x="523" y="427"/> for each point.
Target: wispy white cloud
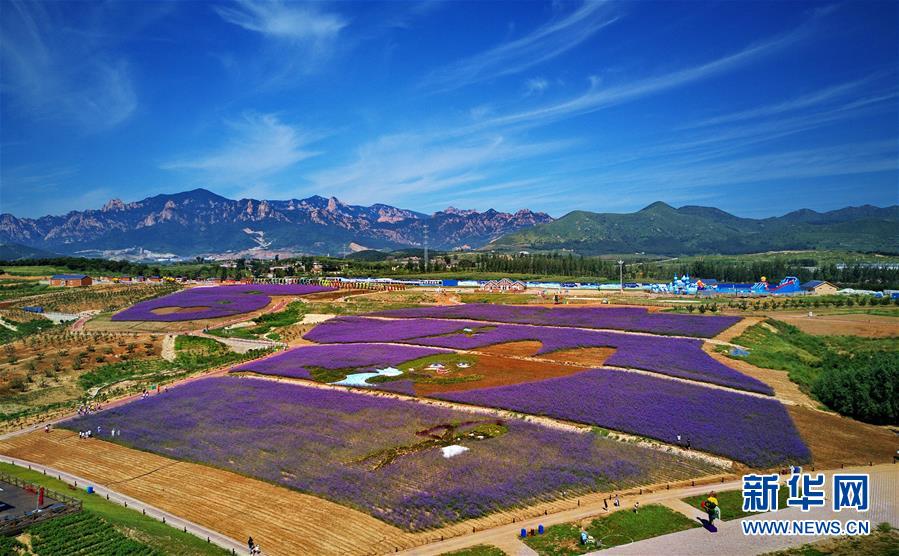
<point x="260" y="145"/>
<point x="293" y="22"/>
<point x="810" y="100"/>
<point x="414" y="166"/>
<point x="513" y="56"/>
<point x="599" y="97"/>
<point x="298" y="38"/>
<point x="52" y="72"/>
<point x="535" y="86"/>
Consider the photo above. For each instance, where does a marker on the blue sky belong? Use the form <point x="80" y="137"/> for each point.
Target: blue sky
<point x="757" y="108"/>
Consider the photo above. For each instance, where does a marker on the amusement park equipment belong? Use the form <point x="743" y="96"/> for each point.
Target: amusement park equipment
<point x="689" y="286"/>
<point x="681" y="286"/>
<point x="788" y="285"/>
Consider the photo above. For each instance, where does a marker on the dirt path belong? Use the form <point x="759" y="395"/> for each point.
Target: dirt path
<point x="239" y="345"/>
<point x="785" y="390"/>
<point x="284" y="521"/>
<point x="886" y="479"/>
<point x="200" y="531"/>
<point x="550" y="422"/>
<point x="729" y="538"/>
<point x="737" y="329"/>
<point x="714" y="340"/>
<point x="168" y="348"/>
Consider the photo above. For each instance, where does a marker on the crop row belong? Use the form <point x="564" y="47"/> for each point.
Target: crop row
<point x="308" y="438"/>
<point x="213" y="302"/>
<point x="635" y="319"/>
<point x="83" y="533"/>
<point x="679" y="357"/>
<point x="754" y="430"/>
<point x="360" y="357"/>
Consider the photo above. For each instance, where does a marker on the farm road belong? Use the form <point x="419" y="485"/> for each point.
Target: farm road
<point x="134" y="504"/>
<point x="728" y="540"/>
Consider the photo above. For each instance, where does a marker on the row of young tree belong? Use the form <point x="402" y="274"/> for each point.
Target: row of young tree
<point x="575" y="267"/>
<point x="858" y="275"/>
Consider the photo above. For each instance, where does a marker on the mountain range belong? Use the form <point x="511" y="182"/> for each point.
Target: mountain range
<point x="661" y="229"/>
<point x="199" y="222"/>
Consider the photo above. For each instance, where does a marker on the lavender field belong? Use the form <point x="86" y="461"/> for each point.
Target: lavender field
<point x="635" y="319"/>
<point x="212" y="302"/>
<point x="749" y="429"/>
<point x="678" y="357"/>
<point x="312" y="439"/>
<point x="355" y="357"/>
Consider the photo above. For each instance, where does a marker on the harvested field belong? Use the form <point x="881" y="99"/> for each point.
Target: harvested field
<point x="283" y="521"/>
<point x="526" y="348"/>
<point x="869" y="326"/>
<point x="174" y="310"/>
<point x="588" y="357"/>
<point x="836" y="440"/>
<point x="501" y="371"/>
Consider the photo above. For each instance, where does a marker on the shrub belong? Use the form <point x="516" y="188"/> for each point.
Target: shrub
<point x="864" y="386"/>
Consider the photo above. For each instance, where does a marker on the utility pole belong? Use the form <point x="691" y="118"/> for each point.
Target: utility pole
<point x="621" y="275"/>
<point x="426" y="247"/>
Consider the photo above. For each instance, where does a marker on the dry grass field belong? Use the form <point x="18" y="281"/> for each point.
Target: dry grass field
<point x="858" y="324"/>
<point x="284" y="522"/>
<point x="835" y="440"/>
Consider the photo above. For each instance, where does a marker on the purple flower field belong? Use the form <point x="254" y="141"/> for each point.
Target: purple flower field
<point x="308" y="438"/>
<point x="679" y="357"/>
<point x="293" y="363"/>
<point x="634" y="319"/>
<point x="753" y="430"/>
<point x="213" y="302"/>
<point x="360" y="329"/>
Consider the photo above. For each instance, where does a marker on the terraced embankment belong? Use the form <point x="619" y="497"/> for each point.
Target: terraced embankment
<point x="283" y="521"/>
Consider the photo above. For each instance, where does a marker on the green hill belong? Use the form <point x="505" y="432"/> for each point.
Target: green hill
<point x="16" y="252"/>
<point x="664" y="230"/>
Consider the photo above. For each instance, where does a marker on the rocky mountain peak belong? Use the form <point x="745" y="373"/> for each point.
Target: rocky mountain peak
<point x="113" y="205"/>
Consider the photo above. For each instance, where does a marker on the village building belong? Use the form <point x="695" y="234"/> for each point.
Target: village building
<point x="819" y="287"/>
<point x="70" y="280"/>
<point x="504" y="285"/>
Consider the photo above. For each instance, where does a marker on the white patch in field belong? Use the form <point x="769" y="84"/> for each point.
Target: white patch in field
<point x="454" y="450"/>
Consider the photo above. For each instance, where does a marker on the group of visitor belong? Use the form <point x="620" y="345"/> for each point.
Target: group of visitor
<point x="253" y="547"/>
<point x="87" y="409"/>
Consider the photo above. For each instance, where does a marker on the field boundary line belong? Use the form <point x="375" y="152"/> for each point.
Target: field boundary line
<point x="609" y="330"/>
<point x="172" y="520"/>
<point x="542" y="420"/>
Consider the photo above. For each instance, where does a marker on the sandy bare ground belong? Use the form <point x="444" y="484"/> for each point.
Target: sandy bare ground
<point x="870" y="326"/>
<point x="168" y="348"/>
<point x="784" y="389"/>
<point x="836" y="440"/>
<point x="738" y="328"/>
<point x="283" y="521"/>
